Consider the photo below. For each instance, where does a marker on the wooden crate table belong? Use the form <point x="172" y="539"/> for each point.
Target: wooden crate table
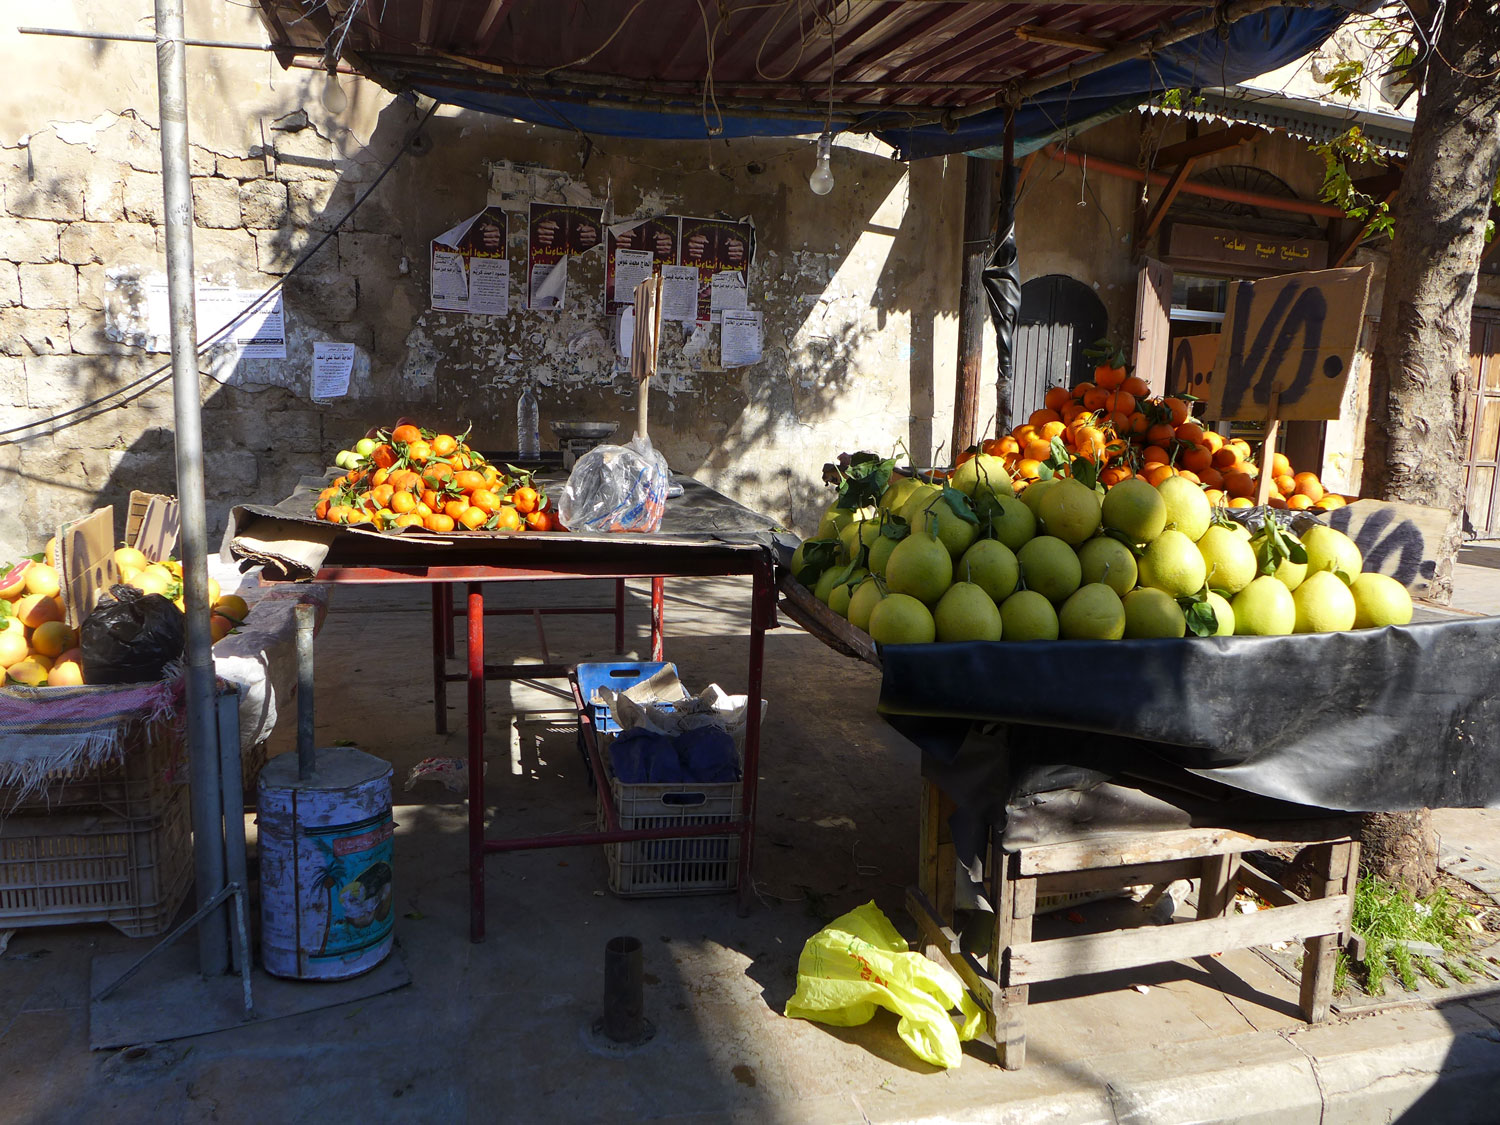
<point x="1111" y="861"/>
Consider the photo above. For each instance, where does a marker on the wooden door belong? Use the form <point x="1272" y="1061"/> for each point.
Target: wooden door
<point x="1059" y="319"/>
<point x="1481" y="494"/>
<point x="1153" y="324"/>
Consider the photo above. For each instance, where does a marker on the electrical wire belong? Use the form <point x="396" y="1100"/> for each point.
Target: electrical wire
<point x="209" y="341"/>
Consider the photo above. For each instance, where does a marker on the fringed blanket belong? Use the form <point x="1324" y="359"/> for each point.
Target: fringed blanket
<point x="49" y="734"/>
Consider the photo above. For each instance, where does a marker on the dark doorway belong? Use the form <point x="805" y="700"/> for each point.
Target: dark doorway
<point x="1059" y="318"/>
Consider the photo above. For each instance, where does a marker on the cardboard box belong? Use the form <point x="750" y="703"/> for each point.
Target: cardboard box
<point x="85" y="548"/>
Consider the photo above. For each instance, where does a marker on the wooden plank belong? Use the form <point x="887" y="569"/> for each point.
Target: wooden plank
<point x="1164" y="200"/>
<point x="1031" y="33"/>
<point x="1115" y="878"/>
<point x="1013" y="914"/>
<point x="1184" y="843"/>
<point x="1153" y="327"/>
<point x="927" y="840"/>
<point x="1216" y="887"/>
<point x="1268" y="450"/>
<point x="805" y="609"/>
<point x="1061" y="958"/>
<point x="945" y="941"/>
<point x="1252" y="878"/>
<point x="1205" y="145"/>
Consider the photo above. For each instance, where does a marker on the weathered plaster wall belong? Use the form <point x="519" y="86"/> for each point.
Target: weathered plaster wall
<point x="859" y="288"/>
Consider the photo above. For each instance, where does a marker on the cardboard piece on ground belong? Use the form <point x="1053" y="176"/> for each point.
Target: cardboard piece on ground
<point x="152" y="525"/>
<point x="1191" y="370"/>
<point x="1397" y="539"/>
<point x="86" y="562"/>
<point x="1296" y="334"/>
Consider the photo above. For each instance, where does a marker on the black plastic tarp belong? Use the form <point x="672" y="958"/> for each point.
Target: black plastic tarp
<point x="1362" y="721"/>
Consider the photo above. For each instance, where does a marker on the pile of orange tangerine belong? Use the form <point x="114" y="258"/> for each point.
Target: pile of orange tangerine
<point x="1115" y="424"/>
<point x="412" y="477"/>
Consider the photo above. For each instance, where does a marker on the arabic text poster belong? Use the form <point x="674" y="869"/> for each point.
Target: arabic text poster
<point x="643" y="248"/>
<point x="557" y="232"/>
<point x="470" y="271"/>
<point x="679" y="293"/>
<point x="741" y="338"/>
<point x="713" y="247"/>
<point x="332" y="365"/>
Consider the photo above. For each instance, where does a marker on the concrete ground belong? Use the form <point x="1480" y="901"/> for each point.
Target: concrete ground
<point x="501" y="1031"/>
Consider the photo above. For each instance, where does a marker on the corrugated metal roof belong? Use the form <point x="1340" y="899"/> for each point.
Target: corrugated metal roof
<point x="1310" y="119"/>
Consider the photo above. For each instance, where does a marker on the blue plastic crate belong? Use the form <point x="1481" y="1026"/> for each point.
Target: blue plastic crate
<point x="617" y="676"/>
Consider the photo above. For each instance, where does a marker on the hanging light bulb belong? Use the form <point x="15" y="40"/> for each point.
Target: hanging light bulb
<point x="821" y="180"/>
<point x="335" y="101"/>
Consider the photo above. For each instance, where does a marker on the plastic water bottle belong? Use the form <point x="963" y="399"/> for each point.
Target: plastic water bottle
<point x="528" y="436"/>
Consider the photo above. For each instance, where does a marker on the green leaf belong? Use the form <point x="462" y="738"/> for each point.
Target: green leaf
<point x="895" y="527"/>
<point x="1060" y="455"/>
<point x="961" y="505"/>
<point x="1296" y="552"/>
<point x="1120" y="536"/>
<point x="863" y="483"/>
<point x="1085" y="472"/>
<point x="1202" y="621"/>
<point x="817" y="556"/>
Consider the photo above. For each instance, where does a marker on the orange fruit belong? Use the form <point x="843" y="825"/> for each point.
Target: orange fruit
<point x="38" y="609"/>
<point x="1161" y="434"/>
<point x="1239" y="484"/>
<point x="444" y="445"/>
<point x="383" y="456"/>
<point x="1037" y="448"/>
<point x="1274" y="501"/>
<point x="1155" y="454"/>
<point x="1299" y="502"/>
<point x="1095" y="398"/>
<point x="508" y="519"/>
<point x="1215" y="496"/>
<point x="42" y="579"/>
<point x="1197" y="459"/>
<point x="1115" y="474"/>
<point x="67" y="669"/>
<point x="403" y="502"/>
<point x="1281" y="466"/>
<point x="468" y="480"/>
<point x="1307" y="485"/>
<point x="409" y="519"/>
<point x="1214" y="441"/>
<point x="406" y="434"/>
<point x="1057" y="398"/>
<point x="1284" y="484"/>
<point x="1156" y="472"/>
<point x="1023" y="433"/>
<point x="1136" y="386"/>
<point x="435" y="475"/>
<point x="1190" y="432"/>
<point x="1329" y="502"/>
<point x="219" y="627"/>
<point x="1211" y="478"/>
<point x="1051" y="430"/>
<point x="404" y="480"/>
<point x="1227" y="459"/>
<point x="1040" y="418"/>
<point x="540" y="521"/>
<point x="1028" y="468"/>
<point x="439" y="522"/>
<point x="13" y="649"/>
<point x="1188" y="474"/>
<point x="527" y="500"/>
<point x="1179" y="409"/>
<point x="473" y="518"/>
<point x="1121" y="402"/>
<point x="52" y="638"/>
<point x="1241" y="502"/>
<point x="456" y="508"/>
<point x="1108" y="377"/>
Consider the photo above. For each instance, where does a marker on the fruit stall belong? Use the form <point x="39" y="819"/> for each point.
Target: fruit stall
<point x="1118" y="667"/>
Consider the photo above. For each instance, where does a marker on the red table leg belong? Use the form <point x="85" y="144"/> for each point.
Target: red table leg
<point x="619" y="615"/>
<point x="476" y="761"/>
<point x="441" y="611"/>
<point x="658" y="584"/>
<point x="762" y="614"/>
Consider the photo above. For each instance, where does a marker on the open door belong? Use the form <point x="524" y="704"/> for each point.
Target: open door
<point x="1153" y="326"/>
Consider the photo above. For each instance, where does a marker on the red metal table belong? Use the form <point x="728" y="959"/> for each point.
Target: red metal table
<point x="477" y="562"/>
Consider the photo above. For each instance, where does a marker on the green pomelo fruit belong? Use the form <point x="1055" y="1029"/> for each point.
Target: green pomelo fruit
<point x="880" y="553"/>
<point x="1380" y="600"/>
<point x="838" y="600"/>
<point x="991" y="566"/>
<point x="1050" y="567"/>
<point x="1328" y="549"/>
<point x="797" y="558"/>
<point x="1150" y="612"/>
<point x="1264" y="609"/>
<point x="1092" y="613"/>
<point x="865" y="597"/>
<point x="1032" y="497"/>
<point x="1228" y="559"/>
<point x="1136" y="509"/>
<point x="824" y="588"/>
<point x="1289" y="573"/>
<point x="1188" y="510"/>
<point x="920" y="566"/>
<point x="834" y="521"/>
<point x="1070" y="511"/>
<point x="918" y="499"/>
<point x="984" y="472"/>
<point x="901" y="620"/>
<point x="1109" y="561"/>
<point x="1011" y="521"/>
<point x="1324" y="604"/>
<point x="898" y="492"/>
<point x="1172" y="563"/>
<point x="967" y="613"/>
<point x="1223" y="613"/>
<point x="955" y="532"/>
<point x="1028" y="616"/>
<point x="859" y="533"/>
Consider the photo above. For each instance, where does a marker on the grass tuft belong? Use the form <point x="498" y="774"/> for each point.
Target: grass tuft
<point x="1386" y="916"/>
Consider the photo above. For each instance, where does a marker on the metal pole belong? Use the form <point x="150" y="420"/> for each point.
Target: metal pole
<point x="307" y="727"/>
<point x="203" y="745"/>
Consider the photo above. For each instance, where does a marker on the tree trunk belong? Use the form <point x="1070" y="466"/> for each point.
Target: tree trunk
<point x="1414" y="436"/>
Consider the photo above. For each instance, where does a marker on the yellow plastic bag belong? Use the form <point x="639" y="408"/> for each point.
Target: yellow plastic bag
<point x="859" y="961"/>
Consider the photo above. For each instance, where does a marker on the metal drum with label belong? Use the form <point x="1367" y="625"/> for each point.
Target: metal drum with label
<point x="327" y="900"/>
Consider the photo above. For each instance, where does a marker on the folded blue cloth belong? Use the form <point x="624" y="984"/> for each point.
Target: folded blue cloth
<point x="702" y="756"/>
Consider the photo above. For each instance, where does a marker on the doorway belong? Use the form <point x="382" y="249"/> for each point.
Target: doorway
<point x="1060" y="318"/>
<point x="1481" y="497"/>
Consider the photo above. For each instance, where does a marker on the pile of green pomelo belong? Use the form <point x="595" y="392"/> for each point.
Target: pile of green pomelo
<point x="970" y="560"/>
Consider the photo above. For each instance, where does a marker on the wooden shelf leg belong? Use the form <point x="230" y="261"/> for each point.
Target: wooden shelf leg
<point x="1333" y="874"/>
<point x="1015" y="904"/>
<point x="1217" y="888"/>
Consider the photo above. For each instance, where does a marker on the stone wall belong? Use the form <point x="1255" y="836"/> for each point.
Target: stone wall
<point x="859" y="291"/>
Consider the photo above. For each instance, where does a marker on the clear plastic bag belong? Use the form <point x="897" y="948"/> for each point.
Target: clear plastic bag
<point x="616" y="488"/>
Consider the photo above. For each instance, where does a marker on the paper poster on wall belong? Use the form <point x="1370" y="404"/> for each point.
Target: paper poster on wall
<point x="261" y="334"/>
<point x="714" y="247"/>
<point x="625" y="331"/>
<point x="740" y="337"/>
<point x="556" y="233"/>
<point x="679" y="293"/>
<point x="333" y="363"/>
<point x="643" y="247"/>
<point x="470" y="270"/>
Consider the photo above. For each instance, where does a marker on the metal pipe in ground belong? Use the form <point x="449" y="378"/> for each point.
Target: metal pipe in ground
<point x="624" y="1003"/>
<point x="306" y="719"/>
<point x="202" y="719"/>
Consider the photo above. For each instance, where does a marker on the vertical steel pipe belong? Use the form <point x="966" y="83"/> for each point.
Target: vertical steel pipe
<point x="624" y="992"/>
<point x="231" y="774"/>
<point x="202" y="722"/>
<point x="762" y="616"/>
<point x="476" y="761"/>
<point x="307" y="729"/>
<point x="658" y="588"/>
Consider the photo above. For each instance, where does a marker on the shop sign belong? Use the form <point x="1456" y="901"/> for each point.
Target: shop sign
<point x="1240" y="249"/>
<point x="1191" y="367"/>
<point x="1295" y="335"/>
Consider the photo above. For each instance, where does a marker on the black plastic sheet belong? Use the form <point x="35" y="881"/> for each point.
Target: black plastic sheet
<point x="1363" y="721"/>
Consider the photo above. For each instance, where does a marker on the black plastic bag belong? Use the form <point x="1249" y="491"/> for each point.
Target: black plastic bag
<point x="130" y="637"/>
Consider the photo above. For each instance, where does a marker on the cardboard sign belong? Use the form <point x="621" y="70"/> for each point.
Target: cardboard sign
<point x="1191" y="368"/>
<point x="86" y="562"/>
<point x="1400" y="540"/>
<point x="153" y="525"/>
<point x="1295" y="334"/>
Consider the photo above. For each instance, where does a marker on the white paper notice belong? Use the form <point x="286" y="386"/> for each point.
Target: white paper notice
<point x="740" y="338"/>
<point x="679" y="293"/>
<point x="489" y="286"/>
<point x="631" y="268"/>
<point x="261" y="334"/>
<point x="450" y="281"/>
<point x="625" y="333"/>
<point x="727" y="291"/>
<point x="548" y="284"/>
<point x="332" y="365"/>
